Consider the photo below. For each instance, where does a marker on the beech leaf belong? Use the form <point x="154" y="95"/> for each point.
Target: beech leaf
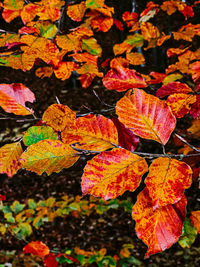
<point x="13" y="98"/>
<point x="48" y="156"/>
<point x="146" y="115"/>
<point x="9" y="158"/>
<point x="111" y="173"/>
<point x="159" y="229"/>
<point x="95" y="133"/>
<point x="166" y="181"/>
<point x="37" y="248"/>
<point x="195" y="219"/>
<point x="35" y="134"/>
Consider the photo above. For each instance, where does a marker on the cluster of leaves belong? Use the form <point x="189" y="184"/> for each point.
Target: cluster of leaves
<point x="63" y="136"/>
<point x="21" y="218"/>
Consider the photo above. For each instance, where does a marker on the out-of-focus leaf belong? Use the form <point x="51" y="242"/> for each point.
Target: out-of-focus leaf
<point x="9" y="158"/>
<point x="43" y="72"/>
<point x="111" y="173"/>
<point x="48" y="156"/>
<point x="130" y="18"/>
<point x="50" y="260"/>
<point x="94" y="3"/>
<point x="189" y="234"/>
<point x="59" y="116"/>
<point x="194" y="130"/>
<point x="173" y="88"/>
<point x="159" y="228"/>
<point x="135" y="58"/>
<point x="127" y="139"/>
<point x="195" y="219"/>
<point x="146" y="115"/>
<point x="91" y="46"/>
<point x="166" y="181"/>
<point x="77" y="11"/>
<point x="122" y="79"/>
<point x="13" y="97"/>
<point x="37" y="248"/>
<point x="95" y="133"/>
<point x="16" y="207"/>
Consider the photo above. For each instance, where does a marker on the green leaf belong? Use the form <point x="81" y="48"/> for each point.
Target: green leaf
<point x="91" y="46"/>
<point x="32" y="204"/>
<point x="48" y="31"/>
<point x="136" y="40"/>
<point x="25" y="230"/>
<point x="62" y="259"/>
<point x="16" y="207"/>
<point x="9" y="218"/>
<point x="80" y="258"/>
<point x="37" y="133"/>
<point x="189" y="234"/>
<point x="94" y="3"/>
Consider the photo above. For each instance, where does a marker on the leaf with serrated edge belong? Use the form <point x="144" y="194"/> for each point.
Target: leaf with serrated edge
<point x="9" y="158"/>
<point x="48" y="156"/>
<point x="166" y="181"/>
<point x="159" y="229"/>
<point x="111" y="173"/>
<point x="146" y="115"/>
<point x="94" y="133"/>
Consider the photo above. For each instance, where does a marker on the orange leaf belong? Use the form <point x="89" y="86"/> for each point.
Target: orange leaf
<point x="91" y="133"/>
<point x="101" y="23"/>
<point x="64" y="70"/>
<point x="93" y="4"/>
<point x="37" y="248"/>
<point x="13" y="98"/>
<point x="149" y="31"/>
<point x="146" y="115"/>
<point x="9" y="158"/>
<point x="167" y="180"/>
<point x="195" y="219"/>
<point x="59" y="116"/>
<point x="111" y="173"/>
<point x="122" y="79"/>
<point x="160" y="228"/>
<point x="48" y="156"/>
<point x="76" y="12"/>
<point x="180" y="104"/>
<point x="130" y="18"/>
<point x="44" y="72"/>
<point x="135" y="58"/>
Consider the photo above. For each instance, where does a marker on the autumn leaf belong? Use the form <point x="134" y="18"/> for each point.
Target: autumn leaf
<point x="37" y="248"/>
<point x="127" y="139"/>
<point x="180" y="104"/>
<point x="64" y="70"/>
<point x="58" y="116"/>
<point x="95" y="133"/>
<point x="94" y="3"/>
<point x="35" y="134"/>
<point x="12" y="9"/>
<point x="48" y="156"/>
<point x="43" y="72"/>
<point x="77" y="11"/>
<point x="172" y="88"/>
<point x="122" y="79"/>
<point x="159" y="229"/>
<point x="91" y="46"/>
<point x="9" y="158"/>
<point x="195" y="219"/>
<point x="135" y="58"/>
<point x="189" y="234"/>
<point x="130" y="18"/>
<point x="13" y="98"/>
<point x="50" y="260"/>
<point x="146" y="115"/>
<point x="167" y="180"/>
<point x="111" y="173"/>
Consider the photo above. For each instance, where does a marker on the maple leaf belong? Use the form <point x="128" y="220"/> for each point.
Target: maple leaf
<point x="111" y="173"/>
<point x="9" y="158"/>
<point x="58" y="116"/>
<point x="167" y="180"/>
<point x="35" y="134"/>
<point x="13" y="98"/>
<point x="48" y="156"/>
<point x="95" y="133"/>
<point x="160" y="228"/>
<point x="122" y="79"/>
<point x="146" y="115"/>
<point x="37" y="248"/>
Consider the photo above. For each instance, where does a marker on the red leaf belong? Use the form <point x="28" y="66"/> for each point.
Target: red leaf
<point x="159" y="228"/>
<point x="118" y="24"/>
<point x="122" y="79"/>
<point x="173" y="87"/>
<point x="37" y="248"/>
<point x="13" y="98"/>
<point x="50" y="260"/>
<point x="127" y="139"/>
<point x="195" y="109"/>
<point x="2" y="197"/>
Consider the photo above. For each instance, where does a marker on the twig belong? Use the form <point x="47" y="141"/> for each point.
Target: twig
<point x="188" y="144"/>
<point x="97" y="96"/>
<point x="58" y="101"/>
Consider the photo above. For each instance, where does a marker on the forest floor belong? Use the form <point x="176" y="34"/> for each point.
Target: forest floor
<point x="110" y="230"/>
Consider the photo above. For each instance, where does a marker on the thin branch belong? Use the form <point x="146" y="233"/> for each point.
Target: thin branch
<point x="188" y="144"/>
<point x="101" y="101"/>
<point x="57" y="99"/>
